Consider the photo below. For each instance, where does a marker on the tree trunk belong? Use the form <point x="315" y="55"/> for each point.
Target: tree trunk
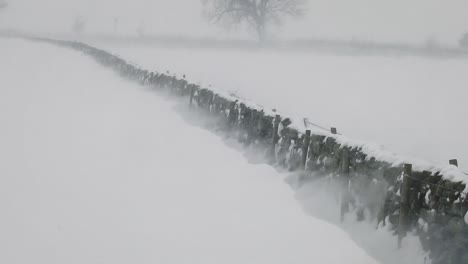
<point x="260" y="33"/>
<point x="260" y="20"/>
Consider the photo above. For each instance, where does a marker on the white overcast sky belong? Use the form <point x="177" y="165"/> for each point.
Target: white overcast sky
<point x="377" y="20"/>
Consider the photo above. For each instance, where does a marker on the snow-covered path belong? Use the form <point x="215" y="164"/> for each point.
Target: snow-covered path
<point x="95" y="169"/>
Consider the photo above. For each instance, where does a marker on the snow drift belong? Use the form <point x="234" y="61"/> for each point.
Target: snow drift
<point x="97" y="170"/>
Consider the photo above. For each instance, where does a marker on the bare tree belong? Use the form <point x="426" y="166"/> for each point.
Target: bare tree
<point x="116" y="24"/>
<point x="257" y="14"/>
<point x="464" y="41"/>
<point x="79" y="25"/>
<point x="3" y="4"/>
<point x="141" y="29"/>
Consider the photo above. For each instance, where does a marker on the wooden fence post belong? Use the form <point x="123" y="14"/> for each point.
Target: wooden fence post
<point x="345" y="180"/>
<point x="275" y="129"/>
<point x="404" y="203"/>
<point x="252" y="126"/>
<point x="215" y="106"/>
<point x="232" y="116"/>
<point x="192" y="92"/>
<point x="453" y="162"/>
<point x="345" y="161"/>
<point x="275" y="137"/>
<point x="305" y="148"/>
<point x="210" y="102"/>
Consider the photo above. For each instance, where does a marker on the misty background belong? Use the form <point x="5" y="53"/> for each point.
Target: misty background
<point x="415" y="21"/>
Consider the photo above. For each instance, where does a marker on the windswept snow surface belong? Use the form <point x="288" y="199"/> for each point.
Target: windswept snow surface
<point x="98" y="170"/>
<point x="413" y="106"/>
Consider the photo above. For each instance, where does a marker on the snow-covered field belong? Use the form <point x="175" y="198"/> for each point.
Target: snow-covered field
<point x="413" y="106"/>
<point x="97" y="170"/>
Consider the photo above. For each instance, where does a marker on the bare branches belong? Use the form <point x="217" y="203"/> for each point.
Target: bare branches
<point x="257" y="14"/>
<point x="289" y="7"/>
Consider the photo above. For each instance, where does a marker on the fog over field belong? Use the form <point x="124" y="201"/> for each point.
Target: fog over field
<point x="413" y="21"/>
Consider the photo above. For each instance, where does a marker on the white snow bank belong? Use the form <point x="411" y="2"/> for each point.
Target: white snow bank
<point x="95" y="170"/>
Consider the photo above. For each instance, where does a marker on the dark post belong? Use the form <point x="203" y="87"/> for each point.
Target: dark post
<point x="192" y="92"/>
<point x="345" y="180"/>
<point x="333" y="130"/>
<point x="215" y="107"/>
<point x="275" y="137"/>
<point x="345" y="161"/>
<point x="275" y="129"/>
<point x="252" y="128"/>
<point x="404" y="203"/>
<point x="210" y="101"/>
<point x="232" y="116"/>
<point x="453" y="162"/>
<point x="305" y="148"/>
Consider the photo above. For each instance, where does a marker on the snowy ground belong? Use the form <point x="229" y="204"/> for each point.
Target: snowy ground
<point x="413" y="106"/>
<point x="97" y="170"/>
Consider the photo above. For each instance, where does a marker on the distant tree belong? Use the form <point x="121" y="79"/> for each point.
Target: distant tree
<point x="3" y="4"/>
<point x="432" y="43"/>
<point x="116" y="24"/>
<point x="464" y="41"/>
<point x="79" y="25"/>
<point x="141" y="29"/>
<point x="257" y="14"/>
